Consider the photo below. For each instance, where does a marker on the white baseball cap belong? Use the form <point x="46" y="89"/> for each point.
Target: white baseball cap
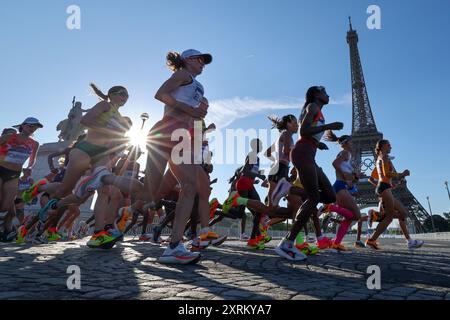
<point x="195" y="53"/>
<point x="30" y="120"/>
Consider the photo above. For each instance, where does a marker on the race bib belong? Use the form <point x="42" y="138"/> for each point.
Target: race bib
<point x="17" y="157"/>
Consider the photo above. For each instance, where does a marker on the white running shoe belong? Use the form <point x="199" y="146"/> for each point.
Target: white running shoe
<point x="179" y="255"/>
<point x="245" y="237"/>
<point x="415" y="244"/>
<point x="280" y="191"/>
<point x="289" y="251"/>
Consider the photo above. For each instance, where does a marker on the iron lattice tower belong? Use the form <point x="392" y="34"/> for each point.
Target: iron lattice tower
<point x="365" y="136"/>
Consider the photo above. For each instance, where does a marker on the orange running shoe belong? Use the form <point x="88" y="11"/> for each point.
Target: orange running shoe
<point x="338" y="247"/>
<point x="213" y="205"/>
<point x="373" y="244"/>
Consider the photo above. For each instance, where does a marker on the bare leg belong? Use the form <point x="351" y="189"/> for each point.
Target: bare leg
<point x="189" y="187"/>
<point x="388" y="201"/>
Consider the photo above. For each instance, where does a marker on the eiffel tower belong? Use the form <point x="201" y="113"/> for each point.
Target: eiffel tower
<point x="365" y="136"/>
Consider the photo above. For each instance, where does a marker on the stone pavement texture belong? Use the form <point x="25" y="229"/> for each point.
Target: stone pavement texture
<point x="231" y="271"/>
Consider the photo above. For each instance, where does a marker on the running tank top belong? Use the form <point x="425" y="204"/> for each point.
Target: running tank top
<point x="16" y="151"/>
<point x="346" y="166"/>
<point x="319" y="120"/>
<point x="283" y="158"/>
<point x="110" y="119"/>
<point x="191" y="93"/>
<point x="388" y="172"/>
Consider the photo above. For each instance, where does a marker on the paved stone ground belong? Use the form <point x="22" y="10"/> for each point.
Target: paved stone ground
<point x="130" y="271"/>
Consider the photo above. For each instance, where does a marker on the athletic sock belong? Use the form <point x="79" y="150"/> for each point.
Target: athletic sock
<point x="342" y="231"/>
<point x="341" y="211"/>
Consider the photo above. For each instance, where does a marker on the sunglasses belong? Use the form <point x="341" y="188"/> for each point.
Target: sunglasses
<point x="122" y="93"/>
<point x="198" y="59"/>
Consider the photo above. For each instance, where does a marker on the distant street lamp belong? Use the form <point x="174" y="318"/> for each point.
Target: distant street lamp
<point x="431" y="213"/>
<point x="144" y="117"/>
<point x="448" y="192"/>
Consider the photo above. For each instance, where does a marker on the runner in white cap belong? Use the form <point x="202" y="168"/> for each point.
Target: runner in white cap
<point x="15" y="150"/>
<point x="182" y="95"/>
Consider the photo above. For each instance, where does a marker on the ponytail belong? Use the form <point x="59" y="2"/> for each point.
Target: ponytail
<point x="174" y="61"/>
<point x="330" y="136"/>
<point x="281" y="124"/>
<point x="98" y="92"/>
<point x="106" y="97"/>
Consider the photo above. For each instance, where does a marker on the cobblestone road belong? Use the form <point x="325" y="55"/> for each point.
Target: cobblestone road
<point x="130" y="271"/>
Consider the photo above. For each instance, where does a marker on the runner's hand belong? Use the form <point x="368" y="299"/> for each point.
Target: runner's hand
<point x="335" y="126"/>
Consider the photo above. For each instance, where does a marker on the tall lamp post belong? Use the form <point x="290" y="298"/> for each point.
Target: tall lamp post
<point x="431" y="213"/>
<point x="144" y="117"/>
<point x="446" y="186"/>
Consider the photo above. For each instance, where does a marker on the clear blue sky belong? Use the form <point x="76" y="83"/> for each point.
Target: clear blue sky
<point x="266" y="54"/>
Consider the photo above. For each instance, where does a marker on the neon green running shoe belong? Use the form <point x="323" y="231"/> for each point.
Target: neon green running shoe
<point x="53" y="236"/>
<point x="100" y="239"/>
<point x="32" y="192"/>
<point x="231" y="202"/>
<point x="21" y="234"/>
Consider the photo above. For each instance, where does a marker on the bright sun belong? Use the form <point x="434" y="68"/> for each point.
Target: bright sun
<point x="137" y="137"/>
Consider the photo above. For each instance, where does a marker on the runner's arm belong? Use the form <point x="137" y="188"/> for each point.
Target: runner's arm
<point x="32" y="159"/>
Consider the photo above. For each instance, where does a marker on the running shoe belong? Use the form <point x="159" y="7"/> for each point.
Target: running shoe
<point x="122" y="218"/>
<point x="32" y="192"/>
<point x="91" y="183"/>
<point x="212" y="238"/>
<point x="415" y="244"/>
<point x="100" y="239"/>
<point x="286" y="249"/>
<point x="338" y="247"/>
<point x="21" y="234"/>
<point x="231" y="202"/>
<point x="324" y="243"/>
<point x="157" y="234"/>
<point x="213" y="205"/>
<point x="196" y="245"/>
<point x="307" y="249"/>
<point x="324" y="209"/>
<point x="53" y="235"/>
<point x="116" y="234"/>
<point x="257" y="243"/>
<point x="280" y="191"/>
<point x="263" y="231"/>
<point x="373" y="244"/>
<point x="179" y="255"/>
<point x="145" y="237"/>
<point x="359" y="244"/>
<point x="244" y="237"/>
